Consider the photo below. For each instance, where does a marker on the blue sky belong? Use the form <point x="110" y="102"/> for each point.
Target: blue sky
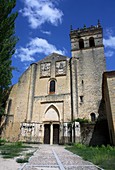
<point x="43" y="27"/>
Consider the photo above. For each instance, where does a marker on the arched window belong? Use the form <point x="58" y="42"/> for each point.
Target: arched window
<point x="93" y="117"/>
<point x="52" y="86"/>
<point x="81" y="43"/>
<point x="91" y="42"/>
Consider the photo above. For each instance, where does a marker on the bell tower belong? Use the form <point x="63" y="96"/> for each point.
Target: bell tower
<point x="87" y="66"/>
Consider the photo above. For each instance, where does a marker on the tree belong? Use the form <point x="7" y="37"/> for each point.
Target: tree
<point x="7" y="47"/>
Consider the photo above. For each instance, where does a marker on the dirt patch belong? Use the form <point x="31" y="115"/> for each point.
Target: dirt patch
<point x="9" y="164"/>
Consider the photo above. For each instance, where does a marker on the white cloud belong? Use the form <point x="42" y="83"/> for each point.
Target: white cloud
<point x="46" y="32"/>
<point x="40" y="11"/>
<point x="110" y="42"/>
<point x="108" y="32"/>
<point x="23" y="54"/>
<point x="35" y="47"/>
<point x="109" y="53"/>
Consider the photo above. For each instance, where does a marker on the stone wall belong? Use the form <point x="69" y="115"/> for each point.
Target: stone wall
<point x="19" y="106"/>
<point x="89" y="65"/>
<point x="32" y="104"/>
<point x="95" y="134"/>
<point x="109" y="98"/>
<point x="90" y="68"/>
<point x="77" y="93"/>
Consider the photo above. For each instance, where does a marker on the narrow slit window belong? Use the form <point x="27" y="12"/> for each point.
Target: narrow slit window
<point x="93" y="117"/>
<point x="9" y="105"/>
<point x="81" y="99"/>
<point x="52" y="86"/>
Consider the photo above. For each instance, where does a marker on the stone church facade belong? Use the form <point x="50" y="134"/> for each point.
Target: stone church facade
<point x="55" y="91"/>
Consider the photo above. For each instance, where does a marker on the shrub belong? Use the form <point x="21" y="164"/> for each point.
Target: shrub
<point x="81" y="120"/>
<point x="2" y="141"/>
<point x="80" y="145"/>
<point x="25" y="158"/>
<point x="18" y="143"/>
<point x="22" y="160"/>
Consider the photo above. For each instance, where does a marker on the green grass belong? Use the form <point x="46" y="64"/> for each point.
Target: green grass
<point x="25" y="158"/>
<point x="2" y="141"/>
<point x="11" y="150"/>
<point x="103" y="156"/>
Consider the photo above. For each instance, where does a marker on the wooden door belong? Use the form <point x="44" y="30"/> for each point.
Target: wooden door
<point x="55" y="134"/>
<point x="47" y="134"/>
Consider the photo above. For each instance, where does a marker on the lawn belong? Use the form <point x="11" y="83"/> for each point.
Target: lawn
<point x="102" y="156"/>
<point x="16" y="149"/>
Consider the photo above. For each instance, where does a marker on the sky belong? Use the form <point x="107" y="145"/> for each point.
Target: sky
<point x="43" y="27"/>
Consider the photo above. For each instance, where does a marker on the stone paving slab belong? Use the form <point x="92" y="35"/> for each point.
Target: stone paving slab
<point x="80" y="168"/>
<point x="40" y="168"/>
<point x="55" y="157"/>
<point x="44" y="160"/>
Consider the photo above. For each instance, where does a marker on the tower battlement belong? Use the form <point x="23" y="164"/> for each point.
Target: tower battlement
<point x="86" y="37"/>
<point x="85" y="29"/>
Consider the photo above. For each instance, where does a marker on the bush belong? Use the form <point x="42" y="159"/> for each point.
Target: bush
<point x="2" y="141"/>
<point x="80" y="145"/>
<point x="70" y="143"/>
<point x="18" y="144"/>
<point x="81" y="120"/>
<point x="22" y="160"/>
<point x="25" y="158"/>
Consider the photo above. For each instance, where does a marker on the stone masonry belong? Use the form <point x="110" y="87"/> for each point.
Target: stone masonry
<point x="57" y="90"/>
<point x="109" y="98"/>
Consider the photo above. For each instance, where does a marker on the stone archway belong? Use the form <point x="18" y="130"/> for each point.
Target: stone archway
<point x="51" y="125"/>
<point x="52" y="114"/>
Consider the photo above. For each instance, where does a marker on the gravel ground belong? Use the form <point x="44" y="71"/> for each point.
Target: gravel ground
<point x="9" y="164"/>
<point x="49" y="157"/>
<point x="57" y="158"/>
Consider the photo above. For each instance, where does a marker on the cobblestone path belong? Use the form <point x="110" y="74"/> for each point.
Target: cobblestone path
<point x="57" y="158"/>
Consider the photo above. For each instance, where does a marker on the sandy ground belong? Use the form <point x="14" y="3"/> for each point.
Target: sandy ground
<point x="9" y="164"/>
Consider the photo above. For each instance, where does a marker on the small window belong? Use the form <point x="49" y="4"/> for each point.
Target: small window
<point x="81" y="99"/>
<point x="81" y="43"/>
<point x="93" y="117"/>
<point x="91" y="42"/>
<point x="9" y="105"/>
<point x="52" y="86"/>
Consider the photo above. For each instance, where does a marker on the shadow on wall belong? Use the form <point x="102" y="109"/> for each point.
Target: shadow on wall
<point x="101" y="132"/>
<point x="96" y="133"/>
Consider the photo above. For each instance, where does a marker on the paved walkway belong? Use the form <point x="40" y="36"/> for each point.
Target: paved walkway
<point x="56" y="158"/>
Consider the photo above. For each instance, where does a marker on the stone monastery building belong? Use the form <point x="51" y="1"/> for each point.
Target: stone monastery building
<point x="57" y="90"/>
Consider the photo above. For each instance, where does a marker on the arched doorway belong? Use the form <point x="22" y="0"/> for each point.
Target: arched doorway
<point x="51" y="126"/>
<point x="48" y="133"/>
